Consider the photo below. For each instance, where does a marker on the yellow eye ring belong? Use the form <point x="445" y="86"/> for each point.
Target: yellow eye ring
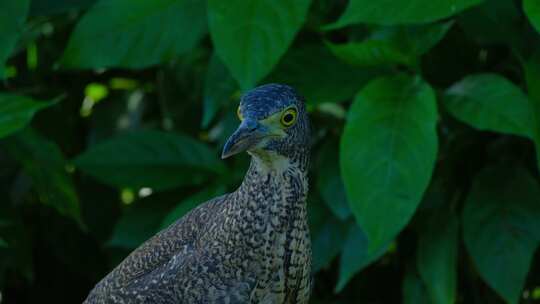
<point x="239" y="114"/>
<point x="288" y="117"/>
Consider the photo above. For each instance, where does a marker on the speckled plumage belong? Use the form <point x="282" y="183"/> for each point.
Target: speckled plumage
<point x="248" y="246"/>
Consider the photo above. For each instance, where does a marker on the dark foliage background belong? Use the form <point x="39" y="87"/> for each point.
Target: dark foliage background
<point x="424" y="183"/>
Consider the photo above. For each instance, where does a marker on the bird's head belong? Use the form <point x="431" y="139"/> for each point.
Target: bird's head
<point x="273" y="122"/>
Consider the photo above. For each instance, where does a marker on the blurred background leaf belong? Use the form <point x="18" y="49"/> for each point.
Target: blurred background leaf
<point x="145" y="34"/>
<point x="389" y="12"/>
<point x="12" y="17"/>
<point x="17" y="111"/>
<point x="151" y="159"/>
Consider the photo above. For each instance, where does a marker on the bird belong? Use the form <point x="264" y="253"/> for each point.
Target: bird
<point x="248" y="246"/>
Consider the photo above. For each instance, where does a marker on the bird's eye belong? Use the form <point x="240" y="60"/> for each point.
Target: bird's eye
<point x="239" y="114"/>
<point x="288" y="118"/>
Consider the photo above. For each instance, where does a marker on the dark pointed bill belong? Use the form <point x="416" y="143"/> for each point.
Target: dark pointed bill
<point x="247" y="136"/>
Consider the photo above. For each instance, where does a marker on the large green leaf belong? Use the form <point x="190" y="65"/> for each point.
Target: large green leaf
<point x="44" y="163"/>
<point x="354" y="256"/>
<point x="532" y="10"/>
<point x="16" y="112"/>
<point x="135" y="33"/>
<point x="532" y="76"/>
<point x="329" y="182"/>
<point x="319" y="76"/>
<point x="501" y="227"/>
<point x="392" y="45"/>
<point x="137" y="224"/>
<point x="389" y="12"/>
<point x="436" y="257"/>
<point x="490" y="102"/>
<point x="49" y="7"/>
<point x="12" y="16"/>
<point x="251" y="35"/>
<point x="219" y="88"/>
<point x="327" y="234"/>
<point x="191" y="202"/>
<point x="494" y="22"/>
<point x="388" y="152"/>
<point x="414" y="289"/>
<point x="152" y="159"/>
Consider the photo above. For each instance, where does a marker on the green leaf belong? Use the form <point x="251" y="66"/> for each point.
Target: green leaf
<point x="327" y="234"/>
<point x="319" y="76"/>
<point x="501" y="227"/>
<point x="490" y="102"/>
<point x="43" y="161"/>
<point x="16" y="112"/>
<point x="3" y="244"/>
<point x="12" y="17"/>
<point x="391" y="45"/>
<point x="414" y="289"/>
<point x="154" y="159"/>
<point x="137" y="224"/>
<point x="354" y="256"/>
<point x="390" y="12"/>
<point x="494" y="22"/>
<point x="329" y="182"/>
<point x="51" y="7"/>
<point x="190" y="203"/>
<point x="251" y="35"/>
<point x="219" y="87"/>
<point x="436" y="257"/>
<point x="388" y="152"/>
<point x="135" y="33"/>
<point x="532" y="76"/>
<point x="532" y="10"/>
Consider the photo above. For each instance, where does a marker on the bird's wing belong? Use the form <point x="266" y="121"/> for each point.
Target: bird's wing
<point x="175" y="240"/>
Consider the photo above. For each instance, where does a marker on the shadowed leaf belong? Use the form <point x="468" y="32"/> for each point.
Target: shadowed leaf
<point x="501" y="227"/>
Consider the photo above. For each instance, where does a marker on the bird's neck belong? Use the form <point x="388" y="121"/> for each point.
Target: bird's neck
<point x="271" y="177"/>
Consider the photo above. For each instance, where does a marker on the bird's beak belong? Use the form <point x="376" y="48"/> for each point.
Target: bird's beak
<point x="247" y="136"/>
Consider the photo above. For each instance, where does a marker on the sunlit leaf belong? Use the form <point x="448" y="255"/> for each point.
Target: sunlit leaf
<point x="389" y="12"/>
<point x="16" y="111"/>
<point x="12" y="16"/>
<point x="135" y="33"/>
<point x="387" y="154"/>
<point x="153" y="159"/>
<point x="501" y="227"/>
<point x="436" y="257"/>
<point x="250" y="36"/>
<point x="490" y="102"/>
<point x="43" y="161"/>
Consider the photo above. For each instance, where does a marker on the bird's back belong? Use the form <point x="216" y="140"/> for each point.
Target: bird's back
<point x="145" y="265"/>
